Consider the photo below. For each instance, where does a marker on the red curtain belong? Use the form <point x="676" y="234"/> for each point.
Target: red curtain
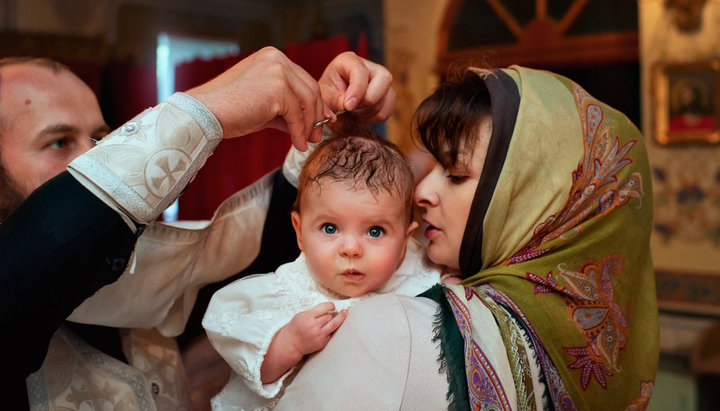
<point x="236" y="162"/>
<point x="315" y="55"/>
<point x="240" y="161"/>
<point x="128" y="89"/>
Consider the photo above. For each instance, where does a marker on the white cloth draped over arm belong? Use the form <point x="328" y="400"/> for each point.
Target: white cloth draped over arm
<point x="173" y="263"/>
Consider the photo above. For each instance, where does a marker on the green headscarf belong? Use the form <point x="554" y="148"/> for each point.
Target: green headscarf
<point x="557" y="248"/>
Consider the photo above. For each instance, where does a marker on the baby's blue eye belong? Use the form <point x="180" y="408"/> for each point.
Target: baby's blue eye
<point x="375" y="232"/>
<point x="329" y="228"/>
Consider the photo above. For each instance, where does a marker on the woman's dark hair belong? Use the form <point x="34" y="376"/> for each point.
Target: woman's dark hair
<point x="446" y="123"/>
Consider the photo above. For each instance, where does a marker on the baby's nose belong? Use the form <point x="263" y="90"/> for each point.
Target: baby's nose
<point x="351" y="247"/>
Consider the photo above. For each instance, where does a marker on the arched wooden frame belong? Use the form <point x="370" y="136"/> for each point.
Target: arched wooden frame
<point x="542" y="41"/>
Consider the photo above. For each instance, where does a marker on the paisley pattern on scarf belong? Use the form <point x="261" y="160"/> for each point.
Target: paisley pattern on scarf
<point x="592" y="308"/>
<point x="595" y="190"/>
<point x="500" y="304"/>
<point x="566" y="265"/>
<point x="556" y="389"/>
<point x="641" y="402"/>
<point x="516" y="344"/>
<point x="486" y="391"/>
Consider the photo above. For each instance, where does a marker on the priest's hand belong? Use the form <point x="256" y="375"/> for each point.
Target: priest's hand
<point x="265" y="90"/>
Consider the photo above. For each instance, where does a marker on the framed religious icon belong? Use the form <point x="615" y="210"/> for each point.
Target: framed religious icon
<point x="686" y="102"/>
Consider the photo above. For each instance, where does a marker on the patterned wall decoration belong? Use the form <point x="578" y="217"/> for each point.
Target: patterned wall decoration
<point x="687" y="200"/>
<point x="686" y="176"/>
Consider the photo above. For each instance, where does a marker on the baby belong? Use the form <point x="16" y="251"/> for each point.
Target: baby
<point x="353" y="218"/>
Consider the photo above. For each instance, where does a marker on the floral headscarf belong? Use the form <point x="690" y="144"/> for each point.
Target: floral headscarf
<point x="557" y="248"/>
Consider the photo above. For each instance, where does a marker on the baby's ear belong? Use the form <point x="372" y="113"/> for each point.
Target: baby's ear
<point x="412" y="227"/>
<point x="295" y="216"/>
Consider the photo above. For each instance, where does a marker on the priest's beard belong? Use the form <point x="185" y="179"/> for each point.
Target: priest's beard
<point x="10" y="195"/>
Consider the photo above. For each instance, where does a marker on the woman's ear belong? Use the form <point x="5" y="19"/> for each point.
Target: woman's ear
<point x="295" y="216"/>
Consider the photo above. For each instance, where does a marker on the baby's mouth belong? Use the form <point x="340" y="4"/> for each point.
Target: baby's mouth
<point x="353" y="275"/>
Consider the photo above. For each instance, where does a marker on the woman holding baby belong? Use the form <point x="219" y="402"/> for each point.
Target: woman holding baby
<point x="540" y="201"/>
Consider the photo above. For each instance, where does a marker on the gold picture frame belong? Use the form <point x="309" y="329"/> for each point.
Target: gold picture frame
<point x="686" y="102"/>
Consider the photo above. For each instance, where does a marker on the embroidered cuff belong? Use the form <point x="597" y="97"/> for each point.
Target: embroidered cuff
<point x="142" y="167"/>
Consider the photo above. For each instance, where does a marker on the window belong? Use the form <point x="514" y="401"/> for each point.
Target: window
<point x="174" y="50"/>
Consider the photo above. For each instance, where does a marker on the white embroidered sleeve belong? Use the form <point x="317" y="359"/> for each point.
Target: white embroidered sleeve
<point x="142" y="167"/>
<point x="241" y="320"/>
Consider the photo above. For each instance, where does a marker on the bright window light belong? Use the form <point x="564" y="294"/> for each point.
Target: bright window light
<point x="174" y="50"/>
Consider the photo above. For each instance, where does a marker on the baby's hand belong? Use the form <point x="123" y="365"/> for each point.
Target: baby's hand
<point x="311" y="330"/>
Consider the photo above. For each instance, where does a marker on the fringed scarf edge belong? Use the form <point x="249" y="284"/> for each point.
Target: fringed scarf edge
<point x="452" y="349"/>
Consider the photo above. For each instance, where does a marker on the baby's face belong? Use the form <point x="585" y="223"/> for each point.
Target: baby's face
<point x="353" y="241"/>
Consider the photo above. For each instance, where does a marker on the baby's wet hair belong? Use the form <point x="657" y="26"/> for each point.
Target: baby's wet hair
<point x="363" y="161"/>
